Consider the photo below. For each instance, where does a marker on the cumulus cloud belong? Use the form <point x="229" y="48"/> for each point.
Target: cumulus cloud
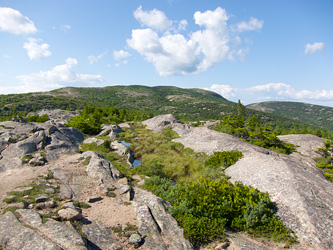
<point x="94" y="59"/>
<point x="173" y="53"/>
<point x="14" y="22"/>
<point x="36" y="49"/>
<point x="120" y="54"/>
<point x="154" y="19"/>
<point x="59" y="76"/>
<point x="253" y="24"/>
<point x="272" y="92"/>
<point x="312" y="48"/>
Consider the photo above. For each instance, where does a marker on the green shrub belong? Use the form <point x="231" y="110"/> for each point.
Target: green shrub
<point x="204" y="207"/>
<point x="37" y="118"/>
<point x="86" y="161"/>
<point x="81" y="204"/>
<point x="26" y="158"/>
<point x="223" y="159"/>
<point x="325" y="161"/>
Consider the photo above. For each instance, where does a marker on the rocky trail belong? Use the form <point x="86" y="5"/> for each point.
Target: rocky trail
<point x="73" y="200"/>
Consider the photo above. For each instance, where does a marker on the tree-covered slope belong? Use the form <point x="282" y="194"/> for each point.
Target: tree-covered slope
<point x="320" y="116"/>
<point x="186" y="104"/>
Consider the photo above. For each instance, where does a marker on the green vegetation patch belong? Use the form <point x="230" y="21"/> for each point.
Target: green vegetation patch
<point x="253" y="131"/>
<point x="92" y="118"/>
<point x="204" y="208"/>
<point x="37" y="118"/>
<point x="81" y="204"/>
<point x="325" y="162"/>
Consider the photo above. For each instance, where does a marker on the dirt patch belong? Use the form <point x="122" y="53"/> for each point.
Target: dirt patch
<point x="110" y="213"/>
<point x="19" y="177"/>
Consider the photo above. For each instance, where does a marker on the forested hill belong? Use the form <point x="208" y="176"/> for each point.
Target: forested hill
<point x="189" y="104"/>
<point x="320" y="116"/>
<point x="186" y="104"/>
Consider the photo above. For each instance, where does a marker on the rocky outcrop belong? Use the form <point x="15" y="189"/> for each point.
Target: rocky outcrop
<point x="15" y="236"/>
<point x="159" y="122"/>
<point x="101" y="169"/>
<point x="34" y="141"/>
<point x="307" y="145"/>
<point x="302" y="194"/>
<point x="159" y="227"/>
<point x="57" y="115"/>
<point x="123" y="150"/>
<point x="55" y="231"/>
<point x="111" y="130"/>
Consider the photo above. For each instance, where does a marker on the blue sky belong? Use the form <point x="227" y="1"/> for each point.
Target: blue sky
<point x="252" y="50"/>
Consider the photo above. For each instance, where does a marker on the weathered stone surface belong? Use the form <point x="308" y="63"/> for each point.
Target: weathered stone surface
<point x="22" y="189"/>
<point x="93" y="140"/>
<point x="41" y="198"/>
<point x="100" y="236"/>
<point x="63" y="141"/>
<point x="306" y="144"/>
<point x="69" y="205"/>
<point x="57" y="115"/>
<point x="65" y="192"/>
<point x="114" y="133"/>
<point x="69" y="214"/>
<point x="12" y="155"/>
<point x="49" y="190"/>
<point x="3" y="145"/>
<point x="135" y="239"/>
<point x="60" y="175"/>
<point x="15" y="236"/>
<point x="61" y="234"/>
<point x="159" y="122"/>
<point x="120" y="148"/>
<point x="101" y="169"/>
<point x="154" y="221"/>
<point x="19" y="205"/>
<point x="93" y="199"/>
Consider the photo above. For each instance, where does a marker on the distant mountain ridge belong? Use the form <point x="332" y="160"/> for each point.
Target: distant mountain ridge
<point x="320" y="116"/>
<point x="188" y="104"/>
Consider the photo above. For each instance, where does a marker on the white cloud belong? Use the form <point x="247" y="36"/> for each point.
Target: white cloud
<point x="312" y="48"/>
<point x="14" y="22"/>
<point x="59" y="76"/>
<point x="273" y="92"/>
<point x="37" y="50"/>
<point x="173" y="53"/>
<point x="95" y="59"/>
<point x="253" y="24"/>
<point x="65" y="27"/>
<point x="154" y="19"/>
<point x="120" y="54"/>
<point x="182" y="25"/>
<point x="212" y="19"/>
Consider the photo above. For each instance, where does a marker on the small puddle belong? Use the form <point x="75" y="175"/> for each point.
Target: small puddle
<point x="136" y="162"/>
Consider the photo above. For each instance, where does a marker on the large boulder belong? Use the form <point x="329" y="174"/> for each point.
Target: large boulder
<point x="157" y="224"/>
<point x="63" y="141"/>
<point x="159" y="122"/>
<point x="12" y="155"/>
<point x="15" y="236"/>
<point x="64" y="236"/>
<point x="101" y="169"/>
<point x="25" y="139"/>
